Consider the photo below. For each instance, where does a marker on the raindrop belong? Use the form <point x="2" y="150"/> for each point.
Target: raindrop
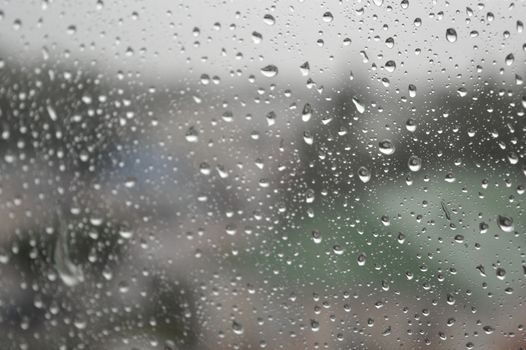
<point x="501" y="273"/>
<point x="269" y="71"/>
<point x="306" y="114"/>
<point x="412" y="90"/>
<point x="307" y="137"/>
<point x="337" y="249"/>
<point x="509" y="59"/>
<point x="269" y="19"/>
<point x="316" y="236"/>
<point x="328" y="17"/>
<point x="414" y="163"/>
<point x="271" y="118"/>
<point x="192" y="135"/>
<point x="237" y="328"/>
<point x="386" y="147"/>
<point x="361" y="259"/>
<point x="505" y="223"/>
<point x="305" y="69"/>
<point x="257" y="37"/>
<point x="364" y="174"/>
<point x="390" y="66"/>
<point x="359" y="106"/>
<point x="451" y="35"/>
<point x="410" y="125"/>
<point x="314" y="325"/>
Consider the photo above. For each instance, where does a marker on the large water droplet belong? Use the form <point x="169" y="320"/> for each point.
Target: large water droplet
<point x="192" y="135"/>
<point x="328" y="17"/>
<point x="269" y="71"/>
<point x="306" y="114"/>
<point x="386" y="147"/>
<point x="237" y="328"/>
<point x="414" y="163"/>
<point x="359" y="106"/>
<point x="361" y="259"/>
<point x="451" y="35"/>
<point x="269" y="19"/>
<point x="69" y="273"/>
<point x="505" y="223"/>
<point x="364" y="174"/>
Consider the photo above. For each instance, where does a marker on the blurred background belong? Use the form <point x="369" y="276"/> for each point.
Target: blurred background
<point x="262" y="174"/>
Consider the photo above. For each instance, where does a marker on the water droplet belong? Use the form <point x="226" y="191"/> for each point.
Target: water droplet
<point x="228" y="116"/>
<point x="257" y="37"/>
<point x="361" y="259"/>
<point x="509" y="59"/>
<point x="390" y="66"/>
<point x="314" y="325"/>
<point x="69" y="273"/>
<point x="410" y="125"/>
<point x="412" y="90"/>
<point x="306" y="114"/>
<point x="126" y="234"/>
<point x="192" y="135"/>
<point x="71" y="30"/>
<point x="269" y="19"/>
<point x="482" y="271"/>
<point x="337" y="249"/>
<point x="505" y="223"/>
<point x="501" y="273"/>
<point x="462" y="92"/>
<point x="307" y="137"/>
<point x="305" y="69"/>
<point x="488" y="329"/>
<point x="271" y="118"/>
<point x="328" y="17"/>
<point x="451" y="35"/>
<point x="364" y="174"/>
<point x="237" y="328"/>
<point x="359" y="106"/>
<point x="316" y="236"/>
<point x="414" y="163"/>
<point x="386" y="147"/>
<point x="269" y="71"/>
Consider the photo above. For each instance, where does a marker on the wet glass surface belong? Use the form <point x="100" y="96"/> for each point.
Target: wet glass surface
<point x="262" y="174"/>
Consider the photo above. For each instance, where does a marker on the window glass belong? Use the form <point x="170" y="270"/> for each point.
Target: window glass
<point x="262" y="174"/>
